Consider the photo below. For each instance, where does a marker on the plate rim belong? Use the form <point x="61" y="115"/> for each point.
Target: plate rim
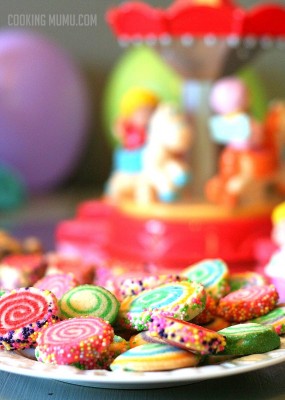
<point x="131" y="380"/>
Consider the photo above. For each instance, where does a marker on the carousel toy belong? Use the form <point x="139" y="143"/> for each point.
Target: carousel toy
<point x="182" y="191"/>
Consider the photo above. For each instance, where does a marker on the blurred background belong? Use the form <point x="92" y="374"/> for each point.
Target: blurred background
<point x="96" y="52"/>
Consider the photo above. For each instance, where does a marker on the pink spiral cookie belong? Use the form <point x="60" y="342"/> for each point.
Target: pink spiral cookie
<point x="58" y="284"/>
<point x="248" y="303"/>
<point x="77" y="341"/>
<point x="186" y="335"/>
<point x="23" y="314"/>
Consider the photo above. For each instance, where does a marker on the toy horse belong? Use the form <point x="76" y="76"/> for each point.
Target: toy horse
<point x="164" y="167"/>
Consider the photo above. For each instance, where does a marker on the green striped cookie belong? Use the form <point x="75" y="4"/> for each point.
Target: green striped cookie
<point x="276" y="318"/>
<point x="89" y="300"/>
<point x="249" y="338"/>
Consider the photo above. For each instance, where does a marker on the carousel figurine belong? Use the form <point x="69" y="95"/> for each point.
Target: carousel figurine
<point x="130" y="132"/>
<point x="248" y="164"/>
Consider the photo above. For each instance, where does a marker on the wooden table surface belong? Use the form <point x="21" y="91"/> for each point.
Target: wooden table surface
<point x="40" y="217"/>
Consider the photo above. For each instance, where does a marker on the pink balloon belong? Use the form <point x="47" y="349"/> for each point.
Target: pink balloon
<point x="229" y="95"/>
<point x="43" y="109"/>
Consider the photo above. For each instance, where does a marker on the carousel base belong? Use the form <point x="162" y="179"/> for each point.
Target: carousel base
<point x="164" y="237"/>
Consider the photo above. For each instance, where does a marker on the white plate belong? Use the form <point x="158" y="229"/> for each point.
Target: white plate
<point x="22" y="363"/>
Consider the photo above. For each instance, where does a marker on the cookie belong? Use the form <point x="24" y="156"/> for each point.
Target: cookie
<point x="144" y="337"/>
<point x="134" y="286"/>
<point x="275" y="318"/>
<point x="154" y="357"/>
<point x="58" y="284"/>
<point x="240" y="280"/>
<point x="213" y="274"/>
<point x="249" y="338"/>
<point x="186" y="335"/>
<point x="24" y="313"/>
<point x="89" y="300"/>
<point x="182" y="300"/>
<point x="248" y="303"/>
<point x="82" y="342"/>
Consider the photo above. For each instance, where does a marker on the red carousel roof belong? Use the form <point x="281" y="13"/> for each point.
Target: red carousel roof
<point x="197" y="18"/>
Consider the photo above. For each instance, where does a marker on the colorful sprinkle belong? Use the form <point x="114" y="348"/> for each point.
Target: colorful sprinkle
<point x="134" y="286"/>
<point x="186" y="335"/>
<point x="248" y="303"/>
<point x="24" y="313"/>
<point x="82" y="342"/>
<point x="182" y="300"/>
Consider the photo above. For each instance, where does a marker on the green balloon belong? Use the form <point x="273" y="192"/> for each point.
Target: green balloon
<point x="139" y="66"/>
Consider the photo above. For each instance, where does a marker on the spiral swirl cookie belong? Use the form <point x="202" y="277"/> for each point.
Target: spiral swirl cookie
<point x="76" y="341"/>
<point x="249" y="338"/>
<point x="213" y="274"/>
<point x="275" y="318"/>
<point x="248" y="303"/>
<point x="182" y="300"/>
<point x="154" y="357"/>
<point x="58" y="284"/>
<point x="242" y="280"/>
<point x="134" y="286"/>
<point x="89" y="300"/>
<point x="186" y="335"/>
<point x="144" y="337"/>
<point x="24" y="313"/>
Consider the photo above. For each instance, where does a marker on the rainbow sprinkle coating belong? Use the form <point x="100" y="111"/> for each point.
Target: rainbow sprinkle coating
<point x="154" y="357"/>
<point x="182" y="300"/>
<point x="207" y="315"/>
<point x="89" y="300"/>
<point x="24" y="313"/>
<point x="213" y="274"/>
<point x="276" y="318"/>
<point x="248" y="303"/>
<point x="186" y="335"/>
<point x="82" y="342"/>
<point x="249" y="338"/>
<point x="58" y="284"/>
<point x="134" y="286"/>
